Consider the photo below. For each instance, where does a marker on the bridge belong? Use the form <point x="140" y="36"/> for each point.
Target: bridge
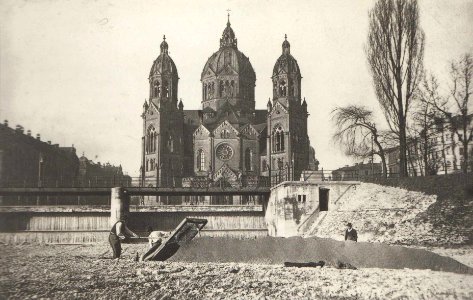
<point x="135" y="191"/>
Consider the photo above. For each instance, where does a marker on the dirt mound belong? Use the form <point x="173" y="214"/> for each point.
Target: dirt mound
<point x="270" y="250"/>
<point x="384" y="214"/>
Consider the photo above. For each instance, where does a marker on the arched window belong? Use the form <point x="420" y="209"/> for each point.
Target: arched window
<point x="151" y="140"/>
<point x="165" y="88"/>
<point x="291" y="87"/>
<point x="282" y="88"/>
<point x="278" y="139"/>
<point x="209" y="91"/>
<point x="157" y="89"/>
<point x="201" y="160"/>
<point x="220" y="89"/>
<point x="205" y="91"/>
<point x="147" y="165"/>
<point x="264" y="165"/>
<point x="249" y="159"/>
<point x="227" y="91"/>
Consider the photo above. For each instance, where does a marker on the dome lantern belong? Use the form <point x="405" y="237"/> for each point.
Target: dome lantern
<point x="286" y="47"/>
<point x="228" y="36"/>
<point x="164" y="45"/>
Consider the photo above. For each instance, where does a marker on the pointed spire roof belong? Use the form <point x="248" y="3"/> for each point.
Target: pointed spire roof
<point x="269" y="105"/>
<point x="228" y="36"/>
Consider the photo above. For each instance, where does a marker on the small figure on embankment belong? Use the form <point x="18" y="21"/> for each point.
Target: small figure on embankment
<point x="350" y="233"/>
<point x="119" y="232"/>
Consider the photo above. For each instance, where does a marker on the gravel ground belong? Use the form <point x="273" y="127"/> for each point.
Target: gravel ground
<point x="67" y="272"/>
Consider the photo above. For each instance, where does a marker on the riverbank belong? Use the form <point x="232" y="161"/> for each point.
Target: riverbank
<point x="80" y="272"/>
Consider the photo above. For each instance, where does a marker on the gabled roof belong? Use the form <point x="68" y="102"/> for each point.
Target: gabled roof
<point x="226" y="171"/>
<point x="225" y="123"/>
<point x="202" y="129"/>
<point x="248" y="129"/>
<point x="278" y="105"/>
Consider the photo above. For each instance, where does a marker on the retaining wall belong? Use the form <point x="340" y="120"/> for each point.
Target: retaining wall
<point x="90" y="224"/>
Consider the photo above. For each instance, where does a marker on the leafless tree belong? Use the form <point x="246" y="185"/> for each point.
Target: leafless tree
<point x="455" y="108"/>
<point x="427" y="125"/>
<point x="395" y="51"/>
<point x="356" y="132"/>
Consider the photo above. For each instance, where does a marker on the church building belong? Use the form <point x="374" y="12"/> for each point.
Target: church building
<point x="226" y="142"/>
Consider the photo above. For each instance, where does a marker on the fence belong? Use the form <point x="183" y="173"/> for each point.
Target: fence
<point x="244" y="181"/>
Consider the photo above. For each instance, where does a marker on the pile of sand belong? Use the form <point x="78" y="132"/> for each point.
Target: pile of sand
<point x="270" y="250"/>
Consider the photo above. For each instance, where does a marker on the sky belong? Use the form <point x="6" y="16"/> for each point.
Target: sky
<point x="76" y="71"/>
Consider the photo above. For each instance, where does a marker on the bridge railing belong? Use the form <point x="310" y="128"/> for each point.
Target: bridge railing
<point x="148" y="182"/>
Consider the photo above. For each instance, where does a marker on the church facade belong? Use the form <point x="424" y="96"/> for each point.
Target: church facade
<point x="227" y="141"/>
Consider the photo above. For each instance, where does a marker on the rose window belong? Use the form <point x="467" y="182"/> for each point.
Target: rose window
<point x="224" y="152"/>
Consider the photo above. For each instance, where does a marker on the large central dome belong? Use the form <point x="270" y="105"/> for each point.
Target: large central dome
<point x="228" y="75"/>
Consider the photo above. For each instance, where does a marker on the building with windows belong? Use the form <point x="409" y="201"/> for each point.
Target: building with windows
<point x="26" y="160"/>
<point x="228" y="141"/>
<point x="101" y="175"/>
<point x="438" y="151"/>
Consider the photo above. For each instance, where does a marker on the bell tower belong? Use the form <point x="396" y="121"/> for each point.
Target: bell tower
<point x="288" y="142"/>
<point x="286" y="77"/>
<point x="163" y="118"/>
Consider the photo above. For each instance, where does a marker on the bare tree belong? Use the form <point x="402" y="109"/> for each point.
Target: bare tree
<point x="356" y="132"/>
<point x="395" y="51"/>
<point x="455" y="108"/>
<point x="427" y="125"/>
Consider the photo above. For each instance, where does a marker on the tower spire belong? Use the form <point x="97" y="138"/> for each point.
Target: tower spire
<point x="164" y="45"/>
<point x="228" y="37"/>
<point x="286" y="47"/>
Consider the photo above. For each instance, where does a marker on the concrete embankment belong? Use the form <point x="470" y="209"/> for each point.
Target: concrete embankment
<point x="270" y="250"/>
<point x="91" y="224"/>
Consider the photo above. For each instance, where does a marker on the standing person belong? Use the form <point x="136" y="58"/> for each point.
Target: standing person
<point x="350" y="233"/>
<point x="119" y="232"/>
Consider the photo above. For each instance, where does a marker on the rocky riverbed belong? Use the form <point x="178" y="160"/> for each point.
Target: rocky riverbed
<point x="71" y="272"/>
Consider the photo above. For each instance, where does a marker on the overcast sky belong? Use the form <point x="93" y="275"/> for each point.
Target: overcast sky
<point x="76" y="71"/>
